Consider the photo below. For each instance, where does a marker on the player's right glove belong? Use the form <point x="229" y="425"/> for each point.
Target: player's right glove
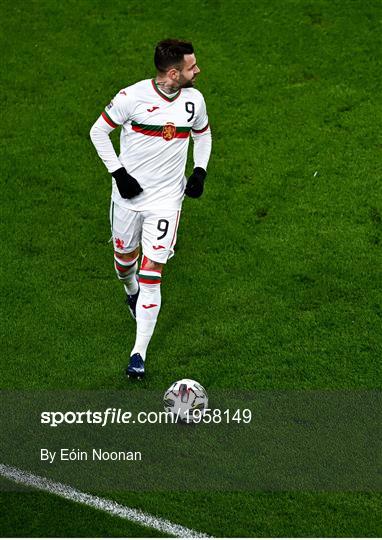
<point x="127" y="186"/>
<point x="195" y="183"/>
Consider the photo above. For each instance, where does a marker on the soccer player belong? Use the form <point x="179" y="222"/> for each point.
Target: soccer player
<point x="157" y="117"/>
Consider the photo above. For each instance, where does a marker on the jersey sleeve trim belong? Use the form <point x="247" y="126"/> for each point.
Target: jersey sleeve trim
<point x="107" y="119"/>
<point x="201" y="130"/>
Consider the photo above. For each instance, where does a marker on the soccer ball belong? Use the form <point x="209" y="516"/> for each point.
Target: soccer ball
<point x="183" y="398"/>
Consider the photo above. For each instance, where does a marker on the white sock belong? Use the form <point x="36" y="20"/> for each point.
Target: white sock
<point x="126" y="272"/>
<point x="148" y="306"/>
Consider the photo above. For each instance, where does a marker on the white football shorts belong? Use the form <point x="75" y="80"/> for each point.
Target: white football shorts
<point x="155" y="230"/>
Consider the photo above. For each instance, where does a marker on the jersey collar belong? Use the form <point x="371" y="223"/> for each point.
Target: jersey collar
<point x="162" y="94"/>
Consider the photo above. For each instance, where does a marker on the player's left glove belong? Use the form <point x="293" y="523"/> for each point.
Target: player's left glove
<point x="195" y="183"/>
<point x="127" y="185"/>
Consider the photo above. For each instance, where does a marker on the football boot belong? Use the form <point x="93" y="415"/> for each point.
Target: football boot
<point x="136" y="367"/>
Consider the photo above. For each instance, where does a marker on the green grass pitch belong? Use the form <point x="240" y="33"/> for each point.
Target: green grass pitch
<point x="277" y="279"/>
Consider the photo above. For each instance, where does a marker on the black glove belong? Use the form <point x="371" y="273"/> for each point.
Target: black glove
<point x="195" y="183"/>
<point x="127" y="186"/>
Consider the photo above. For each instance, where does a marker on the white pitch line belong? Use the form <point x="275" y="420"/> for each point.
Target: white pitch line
<point x="106" y="505"/>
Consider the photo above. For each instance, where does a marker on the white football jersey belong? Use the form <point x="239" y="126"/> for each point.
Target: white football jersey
<point x="154" y="140"/>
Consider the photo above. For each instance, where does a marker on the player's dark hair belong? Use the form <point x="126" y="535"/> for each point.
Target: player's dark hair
<point x="170" y="53"/>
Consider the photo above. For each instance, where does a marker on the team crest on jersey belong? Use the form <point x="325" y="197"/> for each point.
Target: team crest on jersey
<point x="169" y="131"/>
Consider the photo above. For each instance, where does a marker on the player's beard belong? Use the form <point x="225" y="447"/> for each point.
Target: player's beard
<point x="186" y="83"/>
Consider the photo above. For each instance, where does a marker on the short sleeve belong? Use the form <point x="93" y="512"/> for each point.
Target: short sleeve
<point x="119" y="109"/>
<point x="201" y="118"/>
